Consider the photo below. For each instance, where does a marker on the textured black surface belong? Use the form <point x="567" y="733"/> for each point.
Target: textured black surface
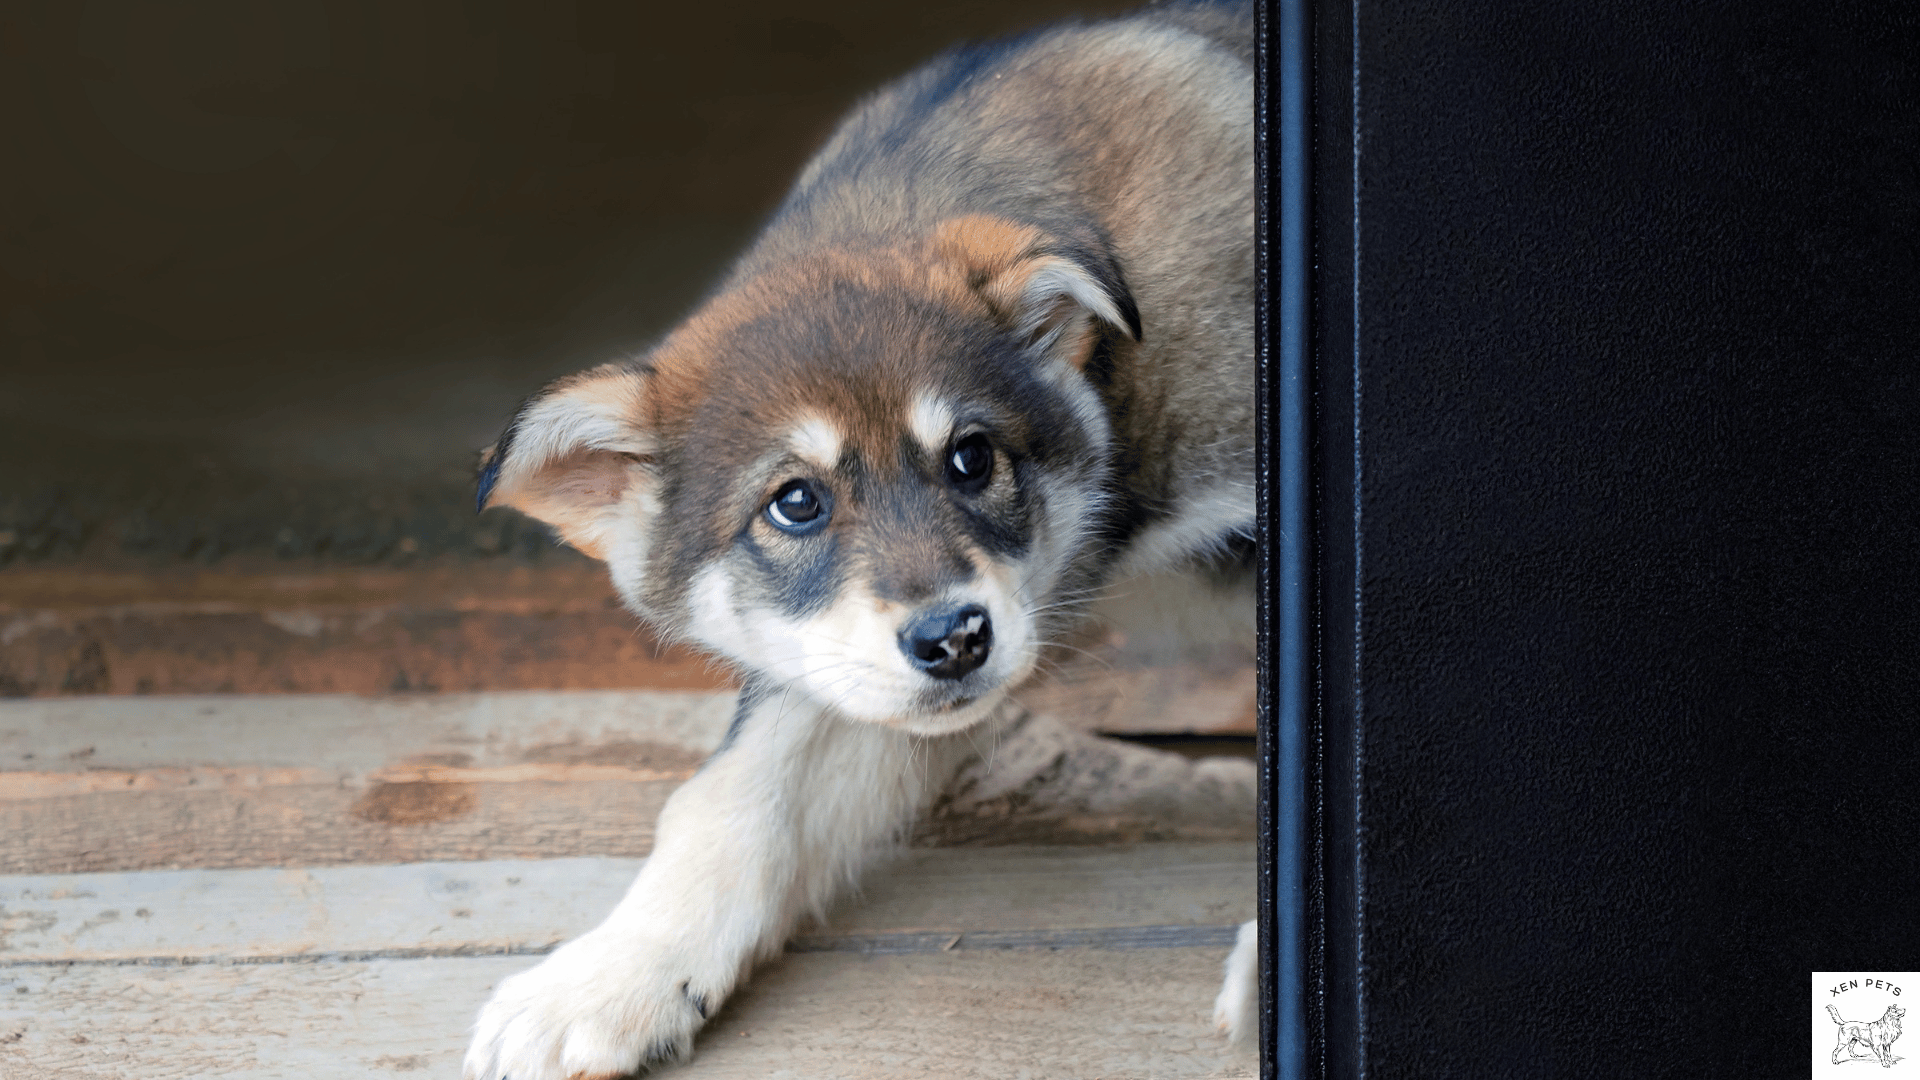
<point x="1621" y="429"/>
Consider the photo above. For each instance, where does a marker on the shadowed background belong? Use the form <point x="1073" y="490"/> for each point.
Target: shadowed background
<point x="271" y="273"/>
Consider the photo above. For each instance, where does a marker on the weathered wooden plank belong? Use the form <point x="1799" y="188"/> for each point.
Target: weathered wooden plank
<point x="319" y="825"/>
<point x="236" y="586"/>
<point x="448" y="628"/>
<point x="495" y="906"/>
<point x="958" y="1015"/>
<point x="102" y="784"/>
<point x="961" y="1015"/>
<point x="378" y="1018"/>
<point x="1170" y="699"/>
<point x="1184" y="665"/>
<point x="1046" y="887"/>
<point x="137" y="651"/>
<point x="138" y="783"/>
<point x="520" y="906"/>
<point x="344" y="736"/>
<point x="325" y="825"/>
<point x="1109" y="937"/>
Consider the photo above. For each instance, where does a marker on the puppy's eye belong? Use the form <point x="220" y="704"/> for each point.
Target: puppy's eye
<point x="970" y="465"/>
<point x="799" y="508"/>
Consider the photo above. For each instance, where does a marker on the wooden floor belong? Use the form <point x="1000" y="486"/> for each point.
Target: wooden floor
<point x="316" y="886"/>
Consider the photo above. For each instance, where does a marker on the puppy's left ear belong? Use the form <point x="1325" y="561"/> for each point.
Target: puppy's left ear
<point x="1049" y="290"/>
<point x="576" y="456"/>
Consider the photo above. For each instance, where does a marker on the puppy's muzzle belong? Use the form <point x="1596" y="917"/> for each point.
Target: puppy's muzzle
<point x="948" y="643"/>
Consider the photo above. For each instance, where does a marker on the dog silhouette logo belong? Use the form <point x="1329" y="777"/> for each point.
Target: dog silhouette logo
<point x="1856" y="1016"/>
<point x="1862" y="1040"/>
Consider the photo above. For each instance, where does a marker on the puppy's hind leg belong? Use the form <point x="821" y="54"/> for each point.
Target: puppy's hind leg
<point x="1236" y="1012"/>
<point x="772" y="824"/>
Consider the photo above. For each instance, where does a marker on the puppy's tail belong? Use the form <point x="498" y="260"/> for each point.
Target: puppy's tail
<point x="1835" y="1013"/>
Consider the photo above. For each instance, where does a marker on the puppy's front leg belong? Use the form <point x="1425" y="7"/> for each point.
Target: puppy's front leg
<point x="772" y="824"/>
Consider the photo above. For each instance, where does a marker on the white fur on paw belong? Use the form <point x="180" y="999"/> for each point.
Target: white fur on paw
<point x="1236" y="1012"/>
<point x="596" y="1008"/>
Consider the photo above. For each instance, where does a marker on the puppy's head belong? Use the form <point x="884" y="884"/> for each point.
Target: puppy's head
<point x="870" y="474"/>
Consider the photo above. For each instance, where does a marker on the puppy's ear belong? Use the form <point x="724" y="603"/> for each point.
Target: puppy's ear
<point x="577" y="456"/>
<point x="1049" y="290"/>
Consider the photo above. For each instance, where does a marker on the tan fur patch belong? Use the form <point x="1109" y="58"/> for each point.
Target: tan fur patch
<point x="1000" y="262"/>
<point x="986" y="246"/>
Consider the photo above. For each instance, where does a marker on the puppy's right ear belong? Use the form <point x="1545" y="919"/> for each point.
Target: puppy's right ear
<point x="577" y="456"/>
<point x="1049" y="290"/>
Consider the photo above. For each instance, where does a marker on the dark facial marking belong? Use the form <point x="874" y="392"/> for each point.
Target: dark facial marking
<point x="489" y="475"/>
<point x="490" y="472"/>
<point x="752" y="693"/>
<point x="801" y="576"/>
<point x="1000" y="522"/>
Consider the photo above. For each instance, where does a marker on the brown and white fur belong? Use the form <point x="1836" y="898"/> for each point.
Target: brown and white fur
<point x="993" y="352"/>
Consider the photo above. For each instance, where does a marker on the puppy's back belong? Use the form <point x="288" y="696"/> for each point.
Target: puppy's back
<point x="1062" y="124"/>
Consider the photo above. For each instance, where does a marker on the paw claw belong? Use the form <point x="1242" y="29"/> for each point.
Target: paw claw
<point x="698" y="1001"/>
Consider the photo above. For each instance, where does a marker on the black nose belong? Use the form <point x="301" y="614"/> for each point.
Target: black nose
<point x="947" y="643"/>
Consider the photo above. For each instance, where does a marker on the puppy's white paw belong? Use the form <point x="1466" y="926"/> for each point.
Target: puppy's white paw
<point x="1236" y="1012"/>
<point x="600" y="1007"/>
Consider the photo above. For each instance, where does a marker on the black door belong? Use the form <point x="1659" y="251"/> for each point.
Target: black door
<point x="1611" y="633"/>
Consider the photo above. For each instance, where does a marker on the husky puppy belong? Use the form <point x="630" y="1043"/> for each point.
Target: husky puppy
<point x="994" y="350"/>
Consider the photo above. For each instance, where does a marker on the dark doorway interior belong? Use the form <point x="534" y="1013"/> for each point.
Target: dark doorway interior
<point x="271" y="274"/>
